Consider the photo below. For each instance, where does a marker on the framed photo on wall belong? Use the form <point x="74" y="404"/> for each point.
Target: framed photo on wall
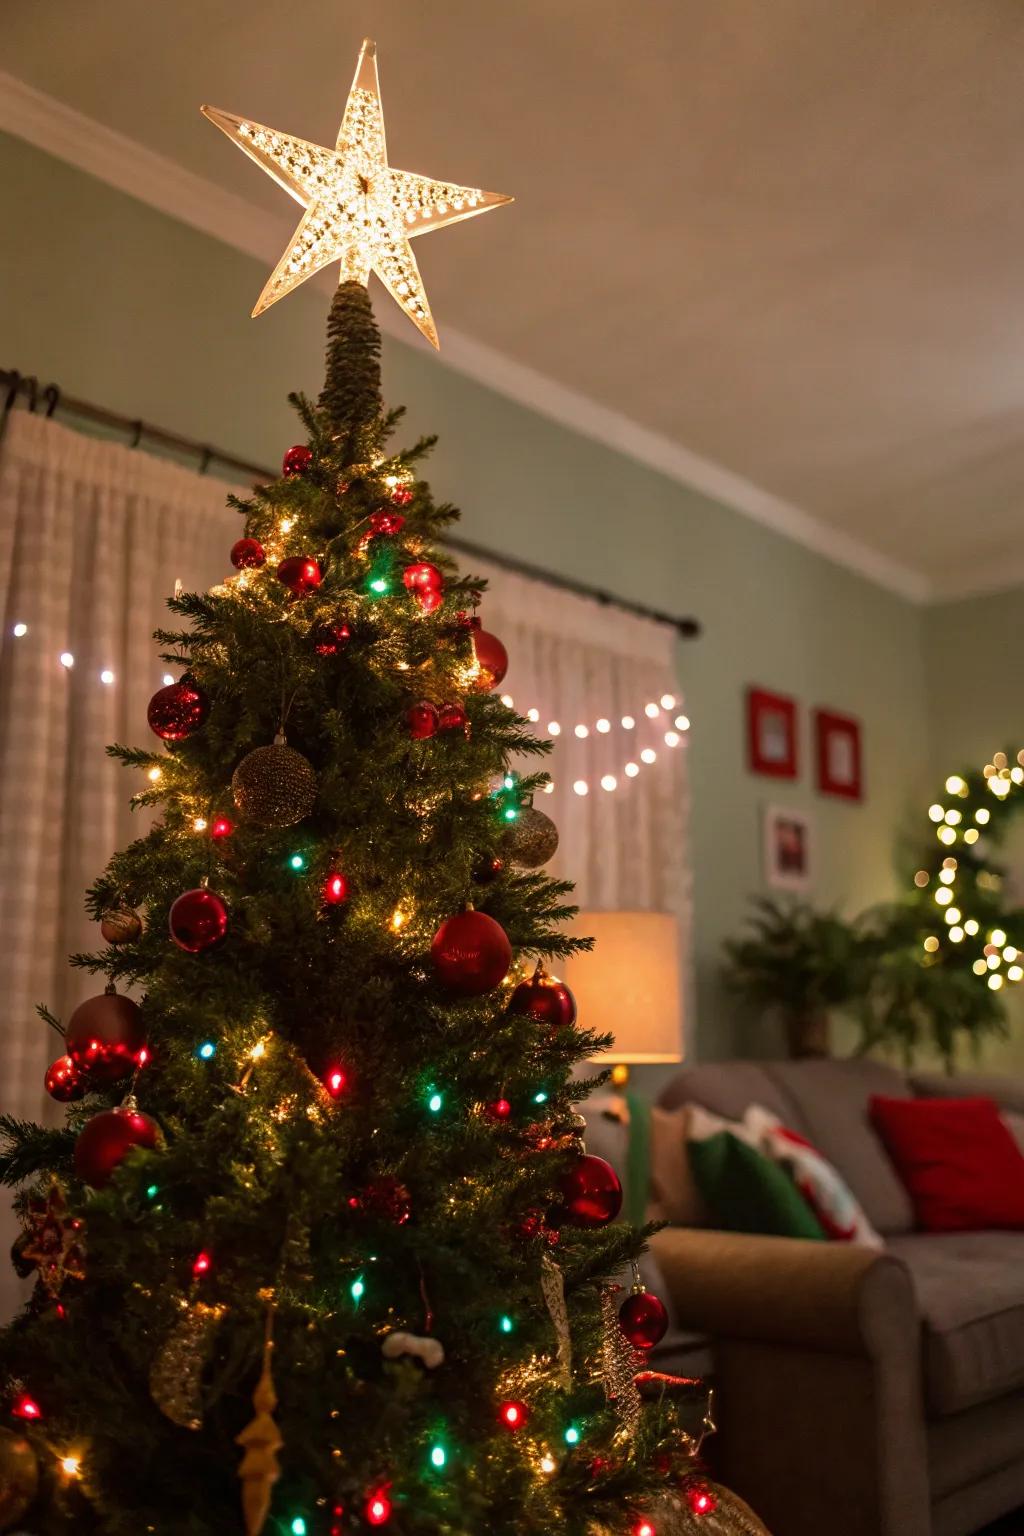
<point x="771" y="733"/>
<point x="788" y="848"/>
<point x="838" y="753"/>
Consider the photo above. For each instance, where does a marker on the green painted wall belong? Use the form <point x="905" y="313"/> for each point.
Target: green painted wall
<point x="124" y="307"/>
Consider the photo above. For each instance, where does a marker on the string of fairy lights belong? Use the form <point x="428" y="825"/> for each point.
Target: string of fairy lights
<point x="658" y="712"/>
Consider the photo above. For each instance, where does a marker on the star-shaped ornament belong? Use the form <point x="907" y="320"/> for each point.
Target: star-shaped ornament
<point x="358" y="209"/>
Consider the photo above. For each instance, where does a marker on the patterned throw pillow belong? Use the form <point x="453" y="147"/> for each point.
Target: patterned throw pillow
<point x="827" y="1194"/>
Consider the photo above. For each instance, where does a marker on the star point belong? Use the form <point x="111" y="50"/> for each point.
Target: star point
<point x="357" y="209"/>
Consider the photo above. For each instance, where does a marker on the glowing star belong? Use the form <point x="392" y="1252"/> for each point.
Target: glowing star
<point x="358" y="209"/>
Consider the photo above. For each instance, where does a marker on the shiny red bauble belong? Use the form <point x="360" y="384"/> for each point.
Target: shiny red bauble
<point x="248" y="555"/>
<point x="643" y="1318"/>
<point x="108" y="1138"/>
<point x="178" y="710"/>
<point x="401" y="495"/>
<point x="429" y="599"/>
<point x="329" y="639"/>
<point x="385" y="524"/>
<point x="422" y="720"/>
<point x="545" y="999"/>
<point x="198" y="920"/>
<point x="296" y="461"/>
<point x="301" y="574"/>
<point x="453" y="717"/>
<point x="104" y="1037"/>
<point x="63" y="1081"/>
<point x="422" y="574"/>
<point x="591" y="1195"/>
<point x="491" y="659"/>
<point x="471" y="953"/>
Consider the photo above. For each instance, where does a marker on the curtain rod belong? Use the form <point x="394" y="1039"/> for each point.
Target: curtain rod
<point x="52" y="399"/>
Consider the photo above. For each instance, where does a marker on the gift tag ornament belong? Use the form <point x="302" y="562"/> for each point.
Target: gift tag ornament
<point x="274" y="786"/>
<point x="176" y="712"/>
<point x="104" y="1037"/>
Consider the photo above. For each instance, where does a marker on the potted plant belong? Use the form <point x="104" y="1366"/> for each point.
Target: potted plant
<point x="802" y="962"/>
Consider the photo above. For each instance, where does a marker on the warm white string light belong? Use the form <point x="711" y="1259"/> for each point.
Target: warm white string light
<point x="602" y="725"/>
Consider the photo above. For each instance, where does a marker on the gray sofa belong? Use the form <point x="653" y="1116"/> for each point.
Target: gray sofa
<point x="858" y="1391"/>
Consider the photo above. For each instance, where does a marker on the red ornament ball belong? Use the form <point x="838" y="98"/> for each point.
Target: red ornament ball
<point x="329" y="639"/>
<point x="385" y="523"/>
<point x="545" y="999"/>
<point x="104" y="1037"/>
<point x="387" y="1197"/>
<point x="178" y="710"/>
<point x="198" y="920"/>
<point x="422" y="574"/>
<point x="591" y="1193"/>
<point x="64" y="1081"/>
<point x="429" y="599"/>
<point x="248" y="555"/>
<point x="471" y="953"/>
<point x="491" y="659"/>
<point x="107" y="1138"/>
<point x="301" y="574"/>
<point x="453" y="717"/>
<point x="533" y="1225"/>
<point x="422" y="720"/>
<point x="335" y="890"/>
<point x="488" y="869"/>
<point x="401" y="495"/>
<point x="643" y="1319"/>
<point x="296" y="461"/>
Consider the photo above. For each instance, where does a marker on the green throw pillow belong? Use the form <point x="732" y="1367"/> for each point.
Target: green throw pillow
<point x="745" y="1192"/>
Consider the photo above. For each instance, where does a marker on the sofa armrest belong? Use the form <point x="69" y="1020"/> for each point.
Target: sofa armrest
<point x="834" y="1297"/>
<point x="817" y="1363"/>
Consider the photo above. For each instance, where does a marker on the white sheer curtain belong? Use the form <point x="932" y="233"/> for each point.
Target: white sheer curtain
<point x="93" y="536"/>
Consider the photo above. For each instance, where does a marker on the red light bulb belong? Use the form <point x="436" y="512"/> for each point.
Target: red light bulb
<point x="27" y="1408"/>
<point x="500" y="1109"/>
<point x="334" y="1082"/>
<point x="643" y="1528"/>
<point x="335" y="888"/>
<point x="378" y="1508"/>
<point x="700" y="1499"/>
<point x="513" y="1415"/>
<point x="220" y="827"/>
<point x="201" y="1264"/>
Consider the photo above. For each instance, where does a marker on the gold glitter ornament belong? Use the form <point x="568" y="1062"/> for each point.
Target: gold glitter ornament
<point x="176" y="1375"/>
<point x="274" y="786"/>
<point x="532" y="838"/>
<point x="19" y="1477"/>
<point x="619" y="1362"/>
<point x="358" y="209"/>
<point x="120" y="925"/>
<point x="261" y="1440"/>
<point x="552" y="1284"/>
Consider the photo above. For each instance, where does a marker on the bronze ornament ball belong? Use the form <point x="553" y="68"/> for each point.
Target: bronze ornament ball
<point x="120" y="925"/>
<point x="532" y="838"/>
<point x="274" y="786"/>
<point x="19" y="1477"/>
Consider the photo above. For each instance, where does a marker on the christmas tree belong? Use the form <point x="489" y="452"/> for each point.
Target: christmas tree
<point x="319" y="1248"/>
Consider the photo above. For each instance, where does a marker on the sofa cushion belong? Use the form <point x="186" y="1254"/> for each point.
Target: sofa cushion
<point x="959" y="1162"/>
<point x="970" y="1291"/>
<point x="674" y="1195"/>
<point x="831" y="1102"/>
<point x="744" y="1190"/>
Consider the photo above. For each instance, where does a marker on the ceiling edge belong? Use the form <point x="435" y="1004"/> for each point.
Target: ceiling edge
<point x="151" y="178"/>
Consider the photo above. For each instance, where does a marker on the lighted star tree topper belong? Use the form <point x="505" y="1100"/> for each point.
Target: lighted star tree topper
<point x="359" y="210"/>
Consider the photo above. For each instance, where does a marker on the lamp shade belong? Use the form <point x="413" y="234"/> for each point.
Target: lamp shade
<point x="628" y="985"/>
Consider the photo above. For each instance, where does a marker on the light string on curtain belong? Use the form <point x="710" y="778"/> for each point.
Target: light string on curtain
<point x="107" y="675"/>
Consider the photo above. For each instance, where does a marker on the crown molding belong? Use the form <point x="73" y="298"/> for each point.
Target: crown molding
<point x="154" y="179"/>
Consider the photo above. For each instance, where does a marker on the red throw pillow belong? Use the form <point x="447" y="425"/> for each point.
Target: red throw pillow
<point x="961" y="1166"/>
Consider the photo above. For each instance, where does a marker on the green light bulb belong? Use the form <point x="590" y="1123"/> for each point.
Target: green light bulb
<point x="540" y="1098"/>
<point x="357" y="1289"/>
<point x="379" y="584"/>
<point x="152" y="1191"/>
<point x="298" y="1526"/>
<point x="438" y="1456"/>
<point x="435" y="1103"/>
<point x="572" y="1435"/>
<point x="297" y="861"/>
<point x="506" y="1324"/>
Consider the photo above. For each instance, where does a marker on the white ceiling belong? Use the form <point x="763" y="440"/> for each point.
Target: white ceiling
<point x="777" y="248"/>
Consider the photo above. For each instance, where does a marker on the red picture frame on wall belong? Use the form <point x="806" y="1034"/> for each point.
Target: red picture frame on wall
<point x="771" y="734"/>
<point x="838" y="752"/>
